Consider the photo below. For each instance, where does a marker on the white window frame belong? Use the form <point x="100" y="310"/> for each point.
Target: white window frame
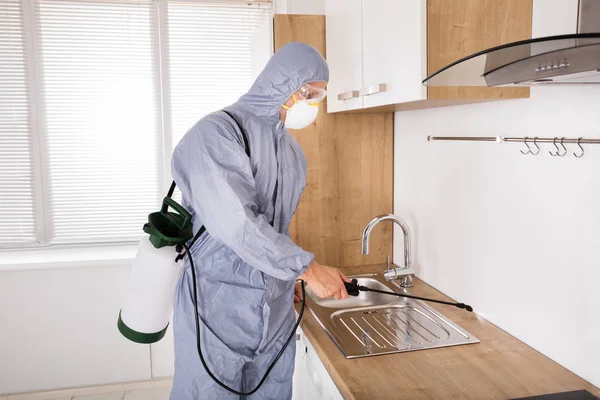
<point x="38" y="147"/>
<point x="167" y="131"/>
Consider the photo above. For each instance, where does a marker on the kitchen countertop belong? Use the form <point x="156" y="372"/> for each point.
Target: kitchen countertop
<point x="500" y="367"/>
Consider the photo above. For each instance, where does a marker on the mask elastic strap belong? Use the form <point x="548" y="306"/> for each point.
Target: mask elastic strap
<point x="295" y="102"/>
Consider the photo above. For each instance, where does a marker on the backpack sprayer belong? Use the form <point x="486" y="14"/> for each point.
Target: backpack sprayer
<point x="155" y="274"/>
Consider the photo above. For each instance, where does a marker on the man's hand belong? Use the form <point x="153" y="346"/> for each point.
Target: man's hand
<point x="326" y="281"/>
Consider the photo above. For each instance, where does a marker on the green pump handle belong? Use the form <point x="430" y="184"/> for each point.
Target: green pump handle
<point x="182" y="219"/>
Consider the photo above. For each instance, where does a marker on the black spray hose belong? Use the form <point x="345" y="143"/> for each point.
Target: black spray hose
<point x="354" y="288"/>
<point x="197" y="318"/>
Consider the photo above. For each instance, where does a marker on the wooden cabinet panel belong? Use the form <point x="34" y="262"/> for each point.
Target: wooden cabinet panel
<point x="350" y="164"/>
<point x="458" y="28"/>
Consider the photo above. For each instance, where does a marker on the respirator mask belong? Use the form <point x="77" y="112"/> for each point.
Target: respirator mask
<point x="305" y="109"/>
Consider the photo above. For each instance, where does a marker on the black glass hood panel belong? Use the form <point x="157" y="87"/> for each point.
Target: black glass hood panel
<point x="565" y="59"/>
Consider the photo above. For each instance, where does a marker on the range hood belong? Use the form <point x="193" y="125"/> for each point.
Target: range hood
<point x="554" y="60"/>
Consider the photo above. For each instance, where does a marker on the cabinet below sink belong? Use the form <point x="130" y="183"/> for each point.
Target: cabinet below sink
<point x="373" y="323"/>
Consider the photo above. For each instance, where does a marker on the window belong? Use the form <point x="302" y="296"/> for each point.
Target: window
<point x="93" y="94"/>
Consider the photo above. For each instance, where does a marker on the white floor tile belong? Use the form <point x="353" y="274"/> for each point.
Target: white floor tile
<point x="105" y="392"/>
<point x="124" y="387"/>
<point x="52" y="395"/>
<point x="148" y="394"/>
<point x="104" y="396"/>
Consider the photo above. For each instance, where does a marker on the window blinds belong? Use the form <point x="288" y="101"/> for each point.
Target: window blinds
<point x="207" y="46"/>
<point x="93" y="94"/>
<point x="99" y="63"/>
<point x="17" y="199"/>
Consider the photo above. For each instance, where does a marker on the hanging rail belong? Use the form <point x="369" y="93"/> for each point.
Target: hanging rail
<point x="499" y="139"/>
<point x="526" y="141"/>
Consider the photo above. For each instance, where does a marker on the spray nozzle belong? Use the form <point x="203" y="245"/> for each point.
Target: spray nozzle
<point x="353" y="289"/>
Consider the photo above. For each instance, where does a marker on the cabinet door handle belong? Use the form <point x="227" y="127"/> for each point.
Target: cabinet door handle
<point x="348" y="95"/>
<point x="369" y="90"/>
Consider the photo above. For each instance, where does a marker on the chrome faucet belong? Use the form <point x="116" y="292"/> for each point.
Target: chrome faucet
<point x="405" y="274"/>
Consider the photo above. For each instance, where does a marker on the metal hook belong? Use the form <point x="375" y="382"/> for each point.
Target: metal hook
<point x="536" y="145"/>
<point x="557" y="149"/>
<point x="582" y="151"/>
<point x="563" y="146"/>
<point x="528" y="148"/>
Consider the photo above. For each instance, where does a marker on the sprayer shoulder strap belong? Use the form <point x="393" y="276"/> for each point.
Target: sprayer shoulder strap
<point x="247" y="148"/>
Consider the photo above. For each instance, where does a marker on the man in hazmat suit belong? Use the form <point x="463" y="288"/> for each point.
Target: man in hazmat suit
<point x="246" y="264"/>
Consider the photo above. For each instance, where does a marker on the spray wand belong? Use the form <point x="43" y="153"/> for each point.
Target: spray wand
<point x="354" y="289"/>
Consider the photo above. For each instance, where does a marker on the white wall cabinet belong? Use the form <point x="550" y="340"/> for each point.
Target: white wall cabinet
<point x="375" y="53"/>
<point x="392" y="52"/>
<point x="344" y="54"/>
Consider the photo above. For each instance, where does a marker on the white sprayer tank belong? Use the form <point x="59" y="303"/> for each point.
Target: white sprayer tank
<point x="149" y="300"/>
<point x="155" y="275"/>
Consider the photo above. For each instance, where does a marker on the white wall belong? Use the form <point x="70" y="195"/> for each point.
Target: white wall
<point x="515" y="236"/>
<point x="58" y="329"/>
<point x="316" y="7"/>
<point x="307" y="7"/>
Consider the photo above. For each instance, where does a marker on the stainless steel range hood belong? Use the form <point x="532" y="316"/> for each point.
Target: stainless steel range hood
<point x="553" y="60"/>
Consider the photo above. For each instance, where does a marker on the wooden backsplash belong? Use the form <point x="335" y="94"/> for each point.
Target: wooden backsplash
<point x="350" y="167"/>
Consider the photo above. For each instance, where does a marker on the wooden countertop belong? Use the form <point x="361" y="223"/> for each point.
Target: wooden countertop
<point x="500" y="367"/>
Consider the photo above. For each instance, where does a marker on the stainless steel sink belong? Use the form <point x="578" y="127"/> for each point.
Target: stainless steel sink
<point x="374" y="323"/>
